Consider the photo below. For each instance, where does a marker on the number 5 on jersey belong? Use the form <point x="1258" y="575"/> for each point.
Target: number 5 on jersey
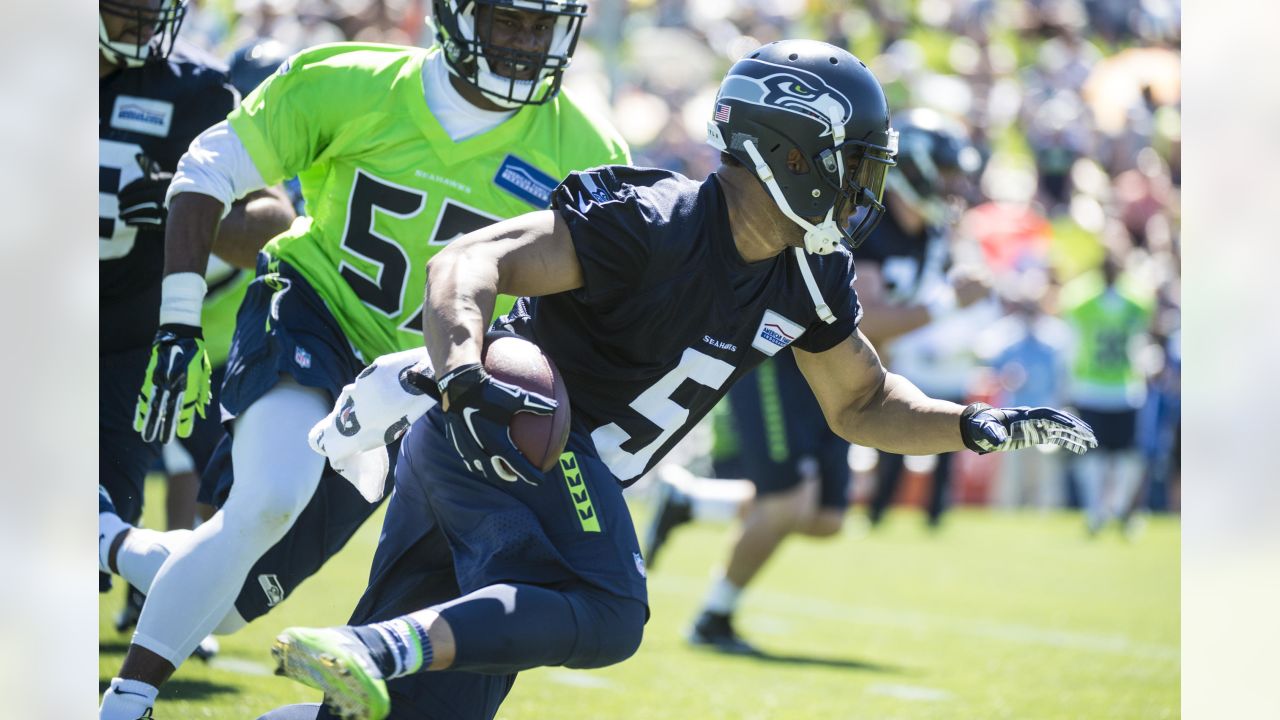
<point x="656" y="405"/>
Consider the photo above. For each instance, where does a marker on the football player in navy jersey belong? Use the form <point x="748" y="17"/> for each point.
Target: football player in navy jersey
<point x="652" y="293"/>
<point x="153" y="99"/>
<point x="908" y="278"/>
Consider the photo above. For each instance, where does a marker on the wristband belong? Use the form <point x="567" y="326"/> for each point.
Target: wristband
<point x="461" y="379"/>
<point x="969" y="411"/>
<point x="181" y="297"/>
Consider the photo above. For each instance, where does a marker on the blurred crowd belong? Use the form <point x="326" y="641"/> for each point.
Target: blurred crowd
<point x="1074" y="106"/>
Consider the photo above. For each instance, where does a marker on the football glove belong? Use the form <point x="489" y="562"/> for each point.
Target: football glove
<point x="478" y="422"/>
<point x="142" y="201"/>
<point x="986" y="429"/>
<point x="373" y="411"/>
<point x="177" y="385"/>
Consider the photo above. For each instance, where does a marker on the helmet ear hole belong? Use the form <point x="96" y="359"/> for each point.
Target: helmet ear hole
<point x="797" y="163"/>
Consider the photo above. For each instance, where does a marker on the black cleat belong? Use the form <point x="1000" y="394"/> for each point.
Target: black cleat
<point x="207" y="650"/>
<point x="715" y="630"/>
<point x="128" y="616"/>
<point x="672" y="509"/>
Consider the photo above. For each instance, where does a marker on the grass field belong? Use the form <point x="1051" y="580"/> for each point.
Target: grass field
<point x="998" y="616"/>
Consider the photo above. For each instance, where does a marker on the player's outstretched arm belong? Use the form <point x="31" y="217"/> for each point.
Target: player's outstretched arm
<point x="867" y="405"/>
<point x="528" y="255"/>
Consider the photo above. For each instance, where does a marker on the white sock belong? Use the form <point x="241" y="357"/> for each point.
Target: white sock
<point x="276" y="475"/>
<point x="143" y="553"/>
<point x="126" y="700"/>
<point x="109" y="528"/>
<point x="723" y="597"/>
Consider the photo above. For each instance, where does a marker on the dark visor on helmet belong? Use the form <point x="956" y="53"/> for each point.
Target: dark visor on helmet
<point x="860" y="193"/>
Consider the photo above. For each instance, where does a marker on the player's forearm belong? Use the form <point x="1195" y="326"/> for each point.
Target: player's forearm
<point x="899" y="418"/>
<point x="193" y="224"/>
<point x="253" y="220"/>
<point x="462" y="287"/>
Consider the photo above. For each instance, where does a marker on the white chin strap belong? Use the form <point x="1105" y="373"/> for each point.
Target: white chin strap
<point x="820" y="239"/>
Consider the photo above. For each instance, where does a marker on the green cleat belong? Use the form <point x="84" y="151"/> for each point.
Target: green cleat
<point x="335" y="661"/>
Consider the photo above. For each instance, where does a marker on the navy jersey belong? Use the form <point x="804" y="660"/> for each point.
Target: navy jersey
<point x="669" y="314"/>
<point x="155" y="110"/>
<point x="908" y="263"/>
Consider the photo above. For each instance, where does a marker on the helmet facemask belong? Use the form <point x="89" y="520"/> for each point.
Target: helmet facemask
<point x="854" y="169"/>
<point x="857" y="172"/>
<point x="152" y="24"/>
<point x="465" y="29"/>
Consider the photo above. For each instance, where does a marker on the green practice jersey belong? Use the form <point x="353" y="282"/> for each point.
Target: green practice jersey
<point x="1106" y="325"/>
<point x="386" y="188"/>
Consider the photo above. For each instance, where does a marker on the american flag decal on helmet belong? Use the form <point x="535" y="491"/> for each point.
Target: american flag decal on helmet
<point x="722" y="112"/>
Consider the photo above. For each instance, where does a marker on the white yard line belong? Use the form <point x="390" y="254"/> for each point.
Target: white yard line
<point x="781" y="603"/>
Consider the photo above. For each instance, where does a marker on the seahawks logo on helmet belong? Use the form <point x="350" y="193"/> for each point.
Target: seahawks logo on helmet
<point x="793" y="90"/>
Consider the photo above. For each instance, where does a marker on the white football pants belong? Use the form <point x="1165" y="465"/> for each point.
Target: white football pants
<point x="203" y="570"/>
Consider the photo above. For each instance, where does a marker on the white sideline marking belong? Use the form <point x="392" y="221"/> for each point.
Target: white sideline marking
<point x="910" y="692"/>
<point x="780" y="603"/>
<point x="581" y="679"/>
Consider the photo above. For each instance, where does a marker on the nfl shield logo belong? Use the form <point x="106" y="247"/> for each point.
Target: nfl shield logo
<point x="302" y="357"/>
<point x="272" y="587"/>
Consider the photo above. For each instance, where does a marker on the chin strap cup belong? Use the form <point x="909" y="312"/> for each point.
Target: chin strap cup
<point x="822" y="239"/>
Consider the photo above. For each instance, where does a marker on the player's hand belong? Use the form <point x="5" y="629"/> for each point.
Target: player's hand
<point x="177" y="385"/>
<point x="142" y="201"/>
<point x="477" y="420"/>
<point x="372" y="412"/>
<point x="986" y="429"/>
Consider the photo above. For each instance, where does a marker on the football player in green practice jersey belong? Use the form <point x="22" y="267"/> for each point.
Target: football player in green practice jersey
<point x="398" y="150"/>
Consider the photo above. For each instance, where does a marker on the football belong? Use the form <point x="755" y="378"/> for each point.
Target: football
<point x="513" y="359"/>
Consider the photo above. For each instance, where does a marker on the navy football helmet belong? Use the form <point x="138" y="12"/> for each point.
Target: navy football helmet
<point x="937" y="162"/>
<point x="147" y="29"/>
<point x="464" y="34"/>
<point x="822" y="101"/>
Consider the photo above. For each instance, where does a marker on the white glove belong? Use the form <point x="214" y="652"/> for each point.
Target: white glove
<point x="372" y="412"/>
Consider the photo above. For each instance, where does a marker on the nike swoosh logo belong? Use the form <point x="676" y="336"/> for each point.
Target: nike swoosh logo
<point x="173" y="355"/>
<point x="466" y="417"/>
<point x="118" y="691"/>
<point x="583" y="204"/>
